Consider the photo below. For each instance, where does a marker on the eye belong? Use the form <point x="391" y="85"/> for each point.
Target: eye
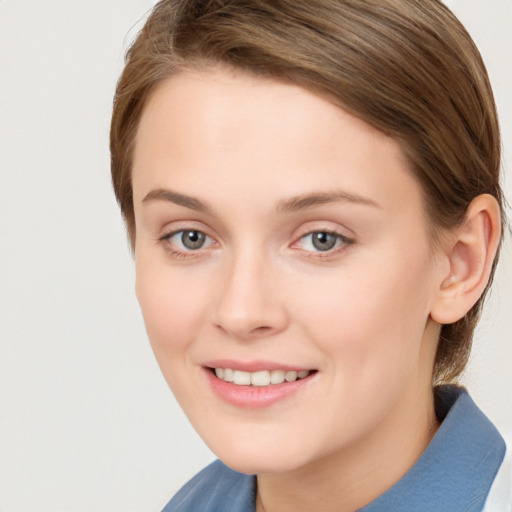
<point x="322" y="241"/>
<point x="187" y="240"/>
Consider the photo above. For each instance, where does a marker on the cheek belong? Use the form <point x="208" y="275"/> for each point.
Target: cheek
<point x="171" y="306"/>
<point x="372" y="317"/>
<point x="371" y="330"/>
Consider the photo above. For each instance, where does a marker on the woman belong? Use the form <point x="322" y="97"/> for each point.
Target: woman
<point x="311" y="191"/>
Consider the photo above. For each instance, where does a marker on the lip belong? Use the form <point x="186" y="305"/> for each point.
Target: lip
<point x="253" y="397"/>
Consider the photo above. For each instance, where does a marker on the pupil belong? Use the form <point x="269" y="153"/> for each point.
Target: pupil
<point x="323" y="241"/>
<point x="193" y="239"/>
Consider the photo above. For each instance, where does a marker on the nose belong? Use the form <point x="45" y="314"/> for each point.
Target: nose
<point x="250" y="302"/>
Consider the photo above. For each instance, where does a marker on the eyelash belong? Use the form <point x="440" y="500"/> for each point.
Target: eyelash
<point x="184" y="253"/>
<point x="341" y="244"/>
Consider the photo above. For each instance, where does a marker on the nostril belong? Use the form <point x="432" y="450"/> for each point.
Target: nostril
<point x="249" y="332"/>
<point x="262" y="331"/>
<point x="263" y="328"/>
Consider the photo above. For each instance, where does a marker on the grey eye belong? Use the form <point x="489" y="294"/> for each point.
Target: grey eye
<point x="323" y="241"/>
<point x="192" y="239"/>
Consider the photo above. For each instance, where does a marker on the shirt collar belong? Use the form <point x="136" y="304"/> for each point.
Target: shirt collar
<point x="454" y="473"/>
<point x="457" y="468"/>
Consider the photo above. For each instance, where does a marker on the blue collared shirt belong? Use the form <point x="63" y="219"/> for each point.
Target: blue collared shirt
<point x="454" y="474"/>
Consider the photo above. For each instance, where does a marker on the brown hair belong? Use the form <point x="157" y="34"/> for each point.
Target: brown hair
<point x="407" y="67"/>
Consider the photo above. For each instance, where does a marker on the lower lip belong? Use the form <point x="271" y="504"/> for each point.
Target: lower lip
<point x="255" y="397"/>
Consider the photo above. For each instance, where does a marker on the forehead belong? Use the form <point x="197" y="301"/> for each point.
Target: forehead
<point x="213" y="100"/>
<point x="222" y="130"/>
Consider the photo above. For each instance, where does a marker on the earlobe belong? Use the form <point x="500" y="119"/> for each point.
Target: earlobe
<point x="471" y="252"/>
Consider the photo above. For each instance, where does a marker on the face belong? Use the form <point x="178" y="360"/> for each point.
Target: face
<point x="283" y="267"/>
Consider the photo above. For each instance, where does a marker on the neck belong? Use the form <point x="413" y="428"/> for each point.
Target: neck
<point x="354" y="476"/>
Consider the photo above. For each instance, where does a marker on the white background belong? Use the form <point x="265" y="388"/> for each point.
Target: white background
<point x="86" y="420"/>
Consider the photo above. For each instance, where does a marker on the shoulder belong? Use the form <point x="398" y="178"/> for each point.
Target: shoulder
<point x="216" y="488"/>
<point x="500" y="494"/>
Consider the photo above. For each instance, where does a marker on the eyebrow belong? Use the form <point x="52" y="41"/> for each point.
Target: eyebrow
<point x="304" y="201"/>
<point x="292" y="204"/>
<point x="193" y="203"/>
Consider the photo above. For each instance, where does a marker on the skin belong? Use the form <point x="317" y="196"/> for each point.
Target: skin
<point x="359" y="314"/>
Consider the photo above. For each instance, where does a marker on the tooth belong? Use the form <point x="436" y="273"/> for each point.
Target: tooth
<point x="276" y="376"/>
<point x="290" y="376"/>
<point x="242" y="378"/>
<point x="260" y="378"/>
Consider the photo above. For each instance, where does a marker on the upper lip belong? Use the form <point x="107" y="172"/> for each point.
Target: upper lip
<point x="253" y="366"/>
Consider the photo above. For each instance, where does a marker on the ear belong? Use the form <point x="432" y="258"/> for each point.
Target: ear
<point x="470" y="250"/>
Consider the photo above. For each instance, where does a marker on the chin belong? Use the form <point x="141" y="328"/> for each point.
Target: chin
<point x="271" y="463"/>
<point x="260" y="458"/>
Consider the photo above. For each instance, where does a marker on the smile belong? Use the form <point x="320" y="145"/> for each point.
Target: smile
<point x="256" y="384"/>
<point x="260" y="378"/>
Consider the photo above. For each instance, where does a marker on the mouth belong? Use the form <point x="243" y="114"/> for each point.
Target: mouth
<point x="257" y="384"/>
<point x="262" y="378"/>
